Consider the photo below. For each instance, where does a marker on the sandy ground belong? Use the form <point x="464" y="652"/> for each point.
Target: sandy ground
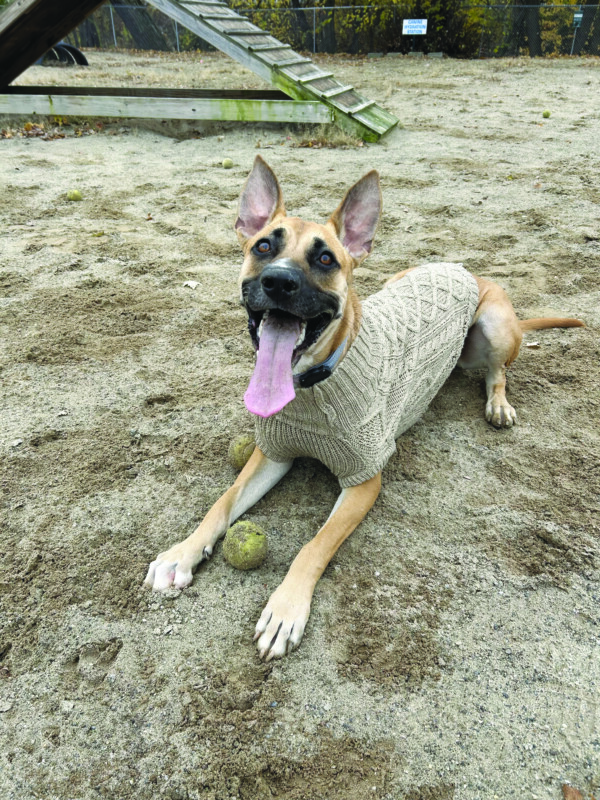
<point x="453" y="647"/>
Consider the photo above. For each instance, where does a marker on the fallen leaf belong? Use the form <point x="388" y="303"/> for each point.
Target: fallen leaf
<point x="571" y="793"/>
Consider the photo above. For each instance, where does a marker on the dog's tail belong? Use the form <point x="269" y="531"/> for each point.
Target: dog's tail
<point x="549" y="322"/>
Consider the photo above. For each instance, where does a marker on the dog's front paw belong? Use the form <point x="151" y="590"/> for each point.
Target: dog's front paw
<point x="174" y="568"/>
<point x="500" y="414"/>
<point x="281" y="625"/>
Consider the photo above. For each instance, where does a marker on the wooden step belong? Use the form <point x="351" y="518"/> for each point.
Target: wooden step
<point x="359" y="107"/>
<point x="310" y="78"/>
<point x="330" y="93"/>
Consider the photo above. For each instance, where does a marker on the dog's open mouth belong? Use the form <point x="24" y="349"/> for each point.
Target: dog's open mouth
<point x="309" y="329"/>
<point x="280" y="339"/>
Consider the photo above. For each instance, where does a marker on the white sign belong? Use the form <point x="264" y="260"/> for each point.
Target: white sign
<point x="414" y="27"/>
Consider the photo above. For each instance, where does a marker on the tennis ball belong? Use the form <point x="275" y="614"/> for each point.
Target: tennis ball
<point x="240" y="450"/>
<point x="74" y="194"/>
<point x="546" y="114"/>
<point x="227" y="163"/>
<point x="245" y="546"/>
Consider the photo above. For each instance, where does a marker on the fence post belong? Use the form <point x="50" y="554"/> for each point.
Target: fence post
<point x="112" y="22"/>
<point x="314" y="30"/>
<point x="177" y="35"/>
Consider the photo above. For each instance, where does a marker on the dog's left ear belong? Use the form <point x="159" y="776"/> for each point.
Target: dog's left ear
<point x="355" y="219"/>
<point x="261" y="201"/>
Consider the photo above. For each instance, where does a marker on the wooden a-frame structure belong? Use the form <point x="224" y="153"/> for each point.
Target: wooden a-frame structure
<point x="28" y="28"/>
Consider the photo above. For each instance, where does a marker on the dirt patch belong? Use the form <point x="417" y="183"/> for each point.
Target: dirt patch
<point x="441" y="792"/>
<point x="452" y="646"/>
<point x="397" y="644"/>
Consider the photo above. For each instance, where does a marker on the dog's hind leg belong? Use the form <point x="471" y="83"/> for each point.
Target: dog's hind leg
<point x="174" y="567"/>
<point x="281" y="625"/>
<point x="493" y="342"/>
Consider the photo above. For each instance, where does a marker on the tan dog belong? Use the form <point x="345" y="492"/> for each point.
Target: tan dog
<point x="306" y="324"/>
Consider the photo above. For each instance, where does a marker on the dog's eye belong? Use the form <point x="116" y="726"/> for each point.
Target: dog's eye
<point x="326" y="259"/>
<point x="264" y="246"/>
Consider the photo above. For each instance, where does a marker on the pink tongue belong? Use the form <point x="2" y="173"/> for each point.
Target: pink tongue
<point x="272" y="383"/>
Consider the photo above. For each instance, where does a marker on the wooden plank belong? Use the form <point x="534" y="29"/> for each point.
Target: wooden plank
<point x="222" y="109"/>
<point x="216" y="16"/>
<point x="253" y="31"/>
<point x="28" y="28"/>
<point x="358" y="107"/>
<point x="291" y="61"/>
<point x="134" y="91"/>
<point x="328" y="93"/>
<point x="304" y="79"/>
<point x="376" y="119"/>
<point x="260" y="48"/>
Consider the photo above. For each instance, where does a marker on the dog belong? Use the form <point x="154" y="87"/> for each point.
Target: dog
<point x="339" y="380"/>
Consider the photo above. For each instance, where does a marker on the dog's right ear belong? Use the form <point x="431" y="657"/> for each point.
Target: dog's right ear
<point x="260" y="201"/>
<point x="355" y="219"/>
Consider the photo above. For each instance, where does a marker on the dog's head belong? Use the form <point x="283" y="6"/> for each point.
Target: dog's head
<point x="295" y="279"/>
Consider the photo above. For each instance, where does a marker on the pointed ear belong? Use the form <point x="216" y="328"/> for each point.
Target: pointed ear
<point x="355" y="219"/>
<point x="260" y="201"/>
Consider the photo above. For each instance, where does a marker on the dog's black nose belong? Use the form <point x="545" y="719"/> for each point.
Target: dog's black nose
<point x="281" y="283"/>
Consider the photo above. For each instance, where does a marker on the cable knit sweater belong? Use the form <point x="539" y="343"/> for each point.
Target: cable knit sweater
<point x="410" y="338"/>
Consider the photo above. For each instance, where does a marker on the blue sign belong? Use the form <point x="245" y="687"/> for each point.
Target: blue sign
<point x="414" y="27"/>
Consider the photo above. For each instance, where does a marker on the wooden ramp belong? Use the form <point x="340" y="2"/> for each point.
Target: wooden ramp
<point x="277" y="63"/>
<point x="28" y="28"/>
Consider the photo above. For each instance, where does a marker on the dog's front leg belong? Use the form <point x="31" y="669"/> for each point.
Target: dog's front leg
<point x="174" y="567"/>
<point x="282" y="623"/>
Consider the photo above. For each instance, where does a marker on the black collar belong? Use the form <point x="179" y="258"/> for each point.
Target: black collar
<point x="320" y="371"/>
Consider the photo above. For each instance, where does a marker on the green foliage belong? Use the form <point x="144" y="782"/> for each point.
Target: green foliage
<point x="457" y="28"/>
<point x="453" y="28"/>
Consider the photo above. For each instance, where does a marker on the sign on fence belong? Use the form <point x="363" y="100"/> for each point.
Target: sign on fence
<point x="414" y="27"/>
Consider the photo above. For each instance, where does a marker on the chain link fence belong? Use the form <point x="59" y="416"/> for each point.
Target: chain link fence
<point x="465" y="31"/>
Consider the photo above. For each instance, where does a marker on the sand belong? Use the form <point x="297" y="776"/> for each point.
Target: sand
<point x="453" y="646"/>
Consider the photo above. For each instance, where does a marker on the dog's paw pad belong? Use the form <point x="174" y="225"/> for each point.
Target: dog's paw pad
<point x="172" y="569"/>
<point x="501" y="415"/>
<point x="281" y="626"/>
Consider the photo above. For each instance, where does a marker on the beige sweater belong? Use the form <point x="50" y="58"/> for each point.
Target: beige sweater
<point x="410" y="338"/>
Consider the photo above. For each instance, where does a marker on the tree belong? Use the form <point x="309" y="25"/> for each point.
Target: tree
<point x="139" y="23"/>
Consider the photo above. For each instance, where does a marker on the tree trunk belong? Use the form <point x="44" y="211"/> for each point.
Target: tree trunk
<point x="146" y="34"/>
<point x="582" y="33"/>
<point x="526" y="27"/>
<point x="86" y="34"/>
<point x="328" y="37"/>
<point x="534" y="33"/>
<point x="300" y="16"/>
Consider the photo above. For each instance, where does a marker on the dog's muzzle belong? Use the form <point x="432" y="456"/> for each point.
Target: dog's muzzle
<point x="283" y="290"/>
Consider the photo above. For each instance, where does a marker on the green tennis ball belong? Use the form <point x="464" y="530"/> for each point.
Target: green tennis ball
<point x="240" y="450"/>
<point x="74" y="194"/>
<point x="245" y="546"/>
<point x="227" y="163"/>
<point x="546" y="114"/>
